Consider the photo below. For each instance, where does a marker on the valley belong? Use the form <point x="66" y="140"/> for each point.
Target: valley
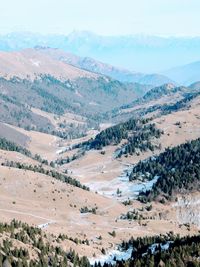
<point x="72" y="144"/>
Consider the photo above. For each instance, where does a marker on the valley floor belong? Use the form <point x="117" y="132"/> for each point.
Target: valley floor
<point x="55" y="207"/>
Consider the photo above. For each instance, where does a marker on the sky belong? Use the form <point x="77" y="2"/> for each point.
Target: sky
<point x="105" y="17"/>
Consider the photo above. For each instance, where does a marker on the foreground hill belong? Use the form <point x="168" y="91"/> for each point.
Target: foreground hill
<point x="94" y="223"/>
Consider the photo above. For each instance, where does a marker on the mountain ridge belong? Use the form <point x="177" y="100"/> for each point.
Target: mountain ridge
<point x="185" y="74"/>
<point x="129" y="51"/>
<point x="96" y="66"/>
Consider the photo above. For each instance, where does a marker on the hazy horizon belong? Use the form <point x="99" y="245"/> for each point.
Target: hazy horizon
<point x="99" y="34"/>
<point x="163" y="32"/>
<point x="128" y="17"/>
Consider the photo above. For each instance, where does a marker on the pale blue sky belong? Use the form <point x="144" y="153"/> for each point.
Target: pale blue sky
<point x="107" y="17"/>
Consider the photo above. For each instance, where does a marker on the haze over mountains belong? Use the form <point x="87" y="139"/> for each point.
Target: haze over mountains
<point x="129" y="52"/>
<point x="140" y="58"/>
<point x="186" y="74"/>
<point x="96" y="66"/>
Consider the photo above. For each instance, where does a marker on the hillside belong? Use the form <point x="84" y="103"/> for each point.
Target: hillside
<point x="158" y="101"/>
<point x="177" y="170"/>
<point x="166" y="250"/>
<point x="94" y="223"/>
<point x="88" y="162"/>
<point x="56" y="97"/>
<point x="31" y="63"/>
<point x="58" y="88"/>
<point x="96" y="66"/>
<point x="23" y="245"/>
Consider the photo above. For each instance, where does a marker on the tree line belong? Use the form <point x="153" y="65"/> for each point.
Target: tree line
<point x="49" y="172"/>
<point x="138" y="134"/>
<point x="178" y="170"/>
<point x="161" y="251"/>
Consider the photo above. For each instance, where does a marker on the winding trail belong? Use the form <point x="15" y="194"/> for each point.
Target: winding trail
<point x="32" y="215"/>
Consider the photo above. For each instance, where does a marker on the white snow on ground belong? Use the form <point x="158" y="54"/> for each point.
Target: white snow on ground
<point x="112" y="256"/>
<point x="129" y="190"/>
<point x="59" y="151"/>
<point x="118" y="254"/>
<point x="188" y="209"/>
<point x="78" y="94"/>
<point x="162" y="246"/>
<point x="63" y="150"/>
<point x="35" y="63"/>
<point x="45" y="225"/>
<point x="93" y="104"/>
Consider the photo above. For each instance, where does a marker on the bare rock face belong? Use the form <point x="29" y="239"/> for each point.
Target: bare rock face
<point x="188" y="209"/>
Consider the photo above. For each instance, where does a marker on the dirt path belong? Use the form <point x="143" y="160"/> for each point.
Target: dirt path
<point x="32" y="215"/>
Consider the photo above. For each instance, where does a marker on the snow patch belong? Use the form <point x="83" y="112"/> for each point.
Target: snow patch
<point x="112" y="256"/>
<point x="128" y="190"/>
<point x="78" y="94"/>
<point x="45" y="225"/>
<point x="93" y="104"/>
<point x="35" y="63"/>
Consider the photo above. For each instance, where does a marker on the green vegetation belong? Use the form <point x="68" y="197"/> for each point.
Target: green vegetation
<point x="66" y="160"/>
<point x="141" y="140"/>
<point x="32" y="238"/>
<point x="137" y="132"/>
<point x="183" y="103"/>
<point x="88" y="210"/>
<point x="161" y="251"/>
<point x="51" y="173"/>
<point x="10" y="146"/>
<point x="178" y="170"/>
<point x="63" y="237"/>
<point x="137" y="214"/>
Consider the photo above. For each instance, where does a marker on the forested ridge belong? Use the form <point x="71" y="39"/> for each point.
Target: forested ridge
<point x="178" y="170"/>
<point x="162" y="251"/>
<point x="181" y="104"/>
<point x="11" y="146"/>
<point x="154" y="251"/>
<point x="33" y="242"/>
<point x="137" y="134"/>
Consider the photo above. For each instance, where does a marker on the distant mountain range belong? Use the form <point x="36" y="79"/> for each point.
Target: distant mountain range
<point x="41" y="79"/>
<point x="95" y="66"/>
<point x="186" y="74"/>
<point x="142" y="53"/>
<point x="87" y="51"/>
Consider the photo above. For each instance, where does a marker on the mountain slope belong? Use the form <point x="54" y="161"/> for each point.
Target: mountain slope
<point x="31" y="63"/>
<point x="96" y="66"/>
<point x="131" y="51"/>
<point x="43" y="82"/>
<point x="185" y="74"/>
